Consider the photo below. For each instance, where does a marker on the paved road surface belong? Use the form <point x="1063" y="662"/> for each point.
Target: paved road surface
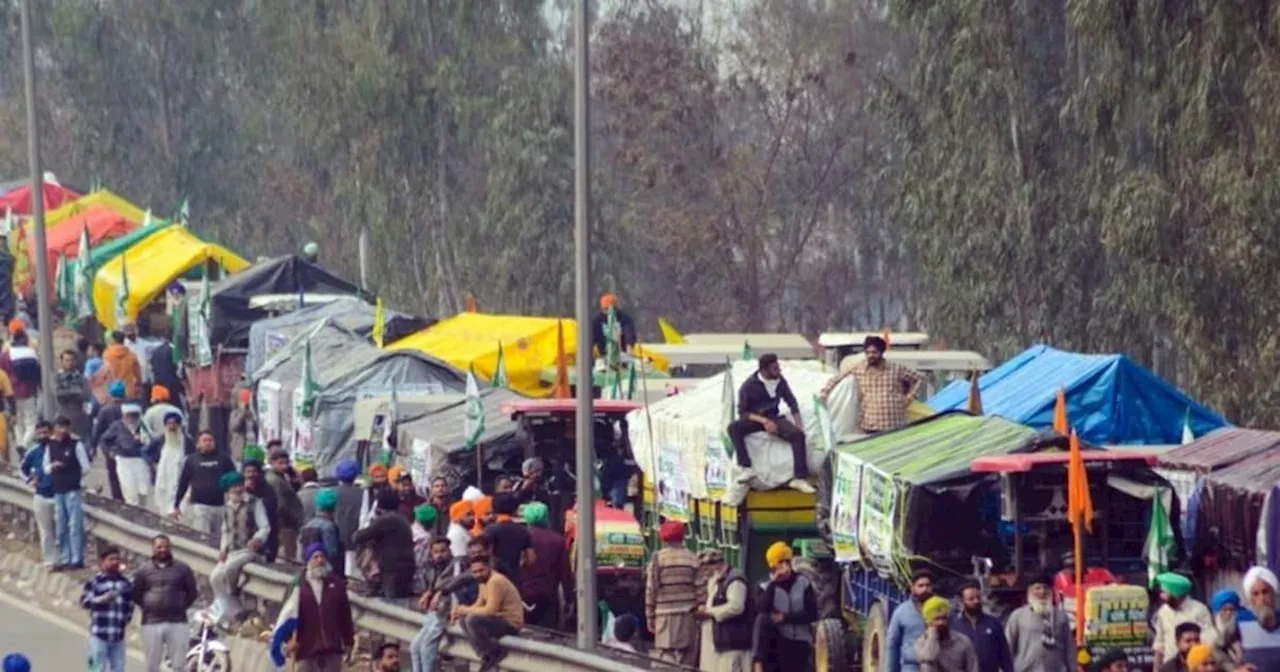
<point x="51" y="642"/>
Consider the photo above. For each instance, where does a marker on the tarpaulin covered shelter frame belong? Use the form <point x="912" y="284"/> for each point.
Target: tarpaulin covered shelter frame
<point x="1241" y="500"/>
<point x="230" y="314"/>
<point x="151" y="265"/>
<point x="100" y="198"/>
<point x="1111" y="399"/>
<point x="352" y="314"/>
<point x="471" y="339"/>
<point x="501" y="444"/>
<point x="346" y="366"/>
<point x="19" y="199"/>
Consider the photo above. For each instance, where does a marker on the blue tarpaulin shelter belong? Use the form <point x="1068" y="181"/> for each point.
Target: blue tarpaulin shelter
<point x="1111" y="400"/>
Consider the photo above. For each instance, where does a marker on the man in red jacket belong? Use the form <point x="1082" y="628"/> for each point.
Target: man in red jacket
<point x="326" y="632"/>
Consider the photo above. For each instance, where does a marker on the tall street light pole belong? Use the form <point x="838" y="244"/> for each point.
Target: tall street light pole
<point x="44" y="313"/>
<point x="588" y="626"/>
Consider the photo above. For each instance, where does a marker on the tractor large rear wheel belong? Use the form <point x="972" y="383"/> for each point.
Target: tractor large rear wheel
<point x="874" y="638"/>
<point x="828" y="646"/>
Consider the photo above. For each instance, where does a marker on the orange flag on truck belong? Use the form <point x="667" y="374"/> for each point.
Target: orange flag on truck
<point x="561" y="389"/>
<point x="1060" y="424"/>
<point x="1079" y="501"/>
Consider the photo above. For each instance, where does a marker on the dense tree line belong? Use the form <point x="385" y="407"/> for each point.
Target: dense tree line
<point x="1097" y="174"/>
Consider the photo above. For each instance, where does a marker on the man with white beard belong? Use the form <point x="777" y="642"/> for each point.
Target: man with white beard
<point x="1261" y="638"/>
<point x="1039" y="634"/>
<point x="158" y="412"/>
<point x="167" y="451"/>
<point x="1226" y="618"/>
<point x="325" y="628"/>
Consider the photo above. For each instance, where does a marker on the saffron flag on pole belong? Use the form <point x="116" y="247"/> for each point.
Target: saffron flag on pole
<point x="1060" y="424"/>
<point x="561" y="388"/>
<point x="1079" y="501"/>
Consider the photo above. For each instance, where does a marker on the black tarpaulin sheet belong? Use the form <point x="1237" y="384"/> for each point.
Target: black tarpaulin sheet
<point x="229" y="311"/>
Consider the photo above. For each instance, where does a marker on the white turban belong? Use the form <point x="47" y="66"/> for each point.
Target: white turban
<point x="1257" y="574"/>
<point x="472" y="494"/>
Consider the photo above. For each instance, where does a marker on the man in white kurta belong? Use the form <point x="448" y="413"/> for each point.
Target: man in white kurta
<point x="168" y="449"/>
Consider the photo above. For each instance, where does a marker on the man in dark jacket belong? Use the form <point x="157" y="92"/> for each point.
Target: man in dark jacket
<point x="347" y="513"/>
<point x="109" y="414"/>
<point x="287" y="502"/>
<point x="72" y="392"/>
<point x="983" y="630"/>
<point x="785" y="611"/>
<point x="165" y="590"/>
<point x="542" y="582"/>
<point x="626" y="327"/>
<point x="164" y="372"/>
<point x="255" y="483"/>
<point x="758" y="412"/>
<point x="326" y="631"/>
<point x="391" y="538"/>
<point x="731" y="612"/>
<point x="202" y="473"/>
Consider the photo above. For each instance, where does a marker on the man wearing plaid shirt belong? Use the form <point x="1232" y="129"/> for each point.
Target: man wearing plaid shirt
<point x="885" y="389"/>
<point x="107" y="596"/>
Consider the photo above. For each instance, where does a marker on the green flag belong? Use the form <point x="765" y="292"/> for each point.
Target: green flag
<point x="747" y="356"/>
<point x="500" y="378"/>
<point x="310" y="384"/>
<point x="122" y="295"/>
<point x="728" y="407"/>
<point x="1160" y="544"/>
<point x="473" y="424"/>
<point x="84" y="274"/>
<point x="64" y="293"/>
<point x="184" y="213"/>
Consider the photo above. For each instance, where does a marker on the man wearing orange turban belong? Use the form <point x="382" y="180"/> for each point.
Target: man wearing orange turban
<point x="625" y="327"/>
<point x="484" y="515"/>
<point x="462" y="516"/>
<point x="671" y="592"/>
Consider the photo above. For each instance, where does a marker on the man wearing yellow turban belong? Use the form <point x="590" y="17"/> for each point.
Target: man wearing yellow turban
<point x="786" y="640"/>
<point x="940" y="649"/>
<point x="1200" y="659"/>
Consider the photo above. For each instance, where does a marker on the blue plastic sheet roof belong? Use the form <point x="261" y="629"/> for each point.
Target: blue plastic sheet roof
<point x="1111" y="400"/>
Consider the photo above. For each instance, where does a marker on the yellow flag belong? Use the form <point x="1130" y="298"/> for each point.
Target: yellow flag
<point x="669" y="333"/>
<point x="379" y="323"/>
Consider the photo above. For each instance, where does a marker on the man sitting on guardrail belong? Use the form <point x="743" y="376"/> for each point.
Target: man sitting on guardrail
<point x="445" y="585"/>
<point x="245" y="527"/>
<point x="497" y="613"/>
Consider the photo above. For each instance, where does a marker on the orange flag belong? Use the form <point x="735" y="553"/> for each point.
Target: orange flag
<point x="1060" y="424"/>
<point x="975" y="395"/>
<point x="471" y="303"/>
<point x="561" y="388"/>
<point x="885" y="335"/>
<point x="1079" y="501"/>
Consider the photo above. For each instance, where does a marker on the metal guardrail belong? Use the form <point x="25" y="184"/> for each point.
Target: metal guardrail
<point x="103" y="519"/>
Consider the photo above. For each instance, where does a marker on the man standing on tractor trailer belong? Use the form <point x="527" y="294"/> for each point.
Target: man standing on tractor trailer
<point x="758" y="400"/>
<point x="885" y="389"/>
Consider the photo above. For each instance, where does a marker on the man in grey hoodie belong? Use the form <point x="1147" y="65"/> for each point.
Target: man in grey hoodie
<point x="907" y="625"/>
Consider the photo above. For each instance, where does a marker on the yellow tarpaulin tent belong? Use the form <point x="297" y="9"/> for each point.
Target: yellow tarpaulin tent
<point x="102" y="197"/>
<point x="151" y="265"/>
<point x="467" y="339"/>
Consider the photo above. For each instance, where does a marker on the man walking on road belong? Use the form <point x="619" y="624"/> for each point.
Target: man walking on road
<point x="42" y="501"/>
<point x="67" y="462"/>
<point x="164" y="590"/>
<point x="109" y="598"/>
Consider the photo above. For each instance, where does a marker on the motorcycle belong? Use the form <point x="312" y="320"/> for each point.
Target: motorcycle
<point x="207" y="652"/>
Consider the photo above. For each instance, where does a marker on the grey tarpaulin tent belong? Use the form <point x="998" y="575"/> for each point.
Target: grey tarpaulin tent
<point x="346" y="367"/>
<point x="443" y="432"/>
<point x="351" y="314"/>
